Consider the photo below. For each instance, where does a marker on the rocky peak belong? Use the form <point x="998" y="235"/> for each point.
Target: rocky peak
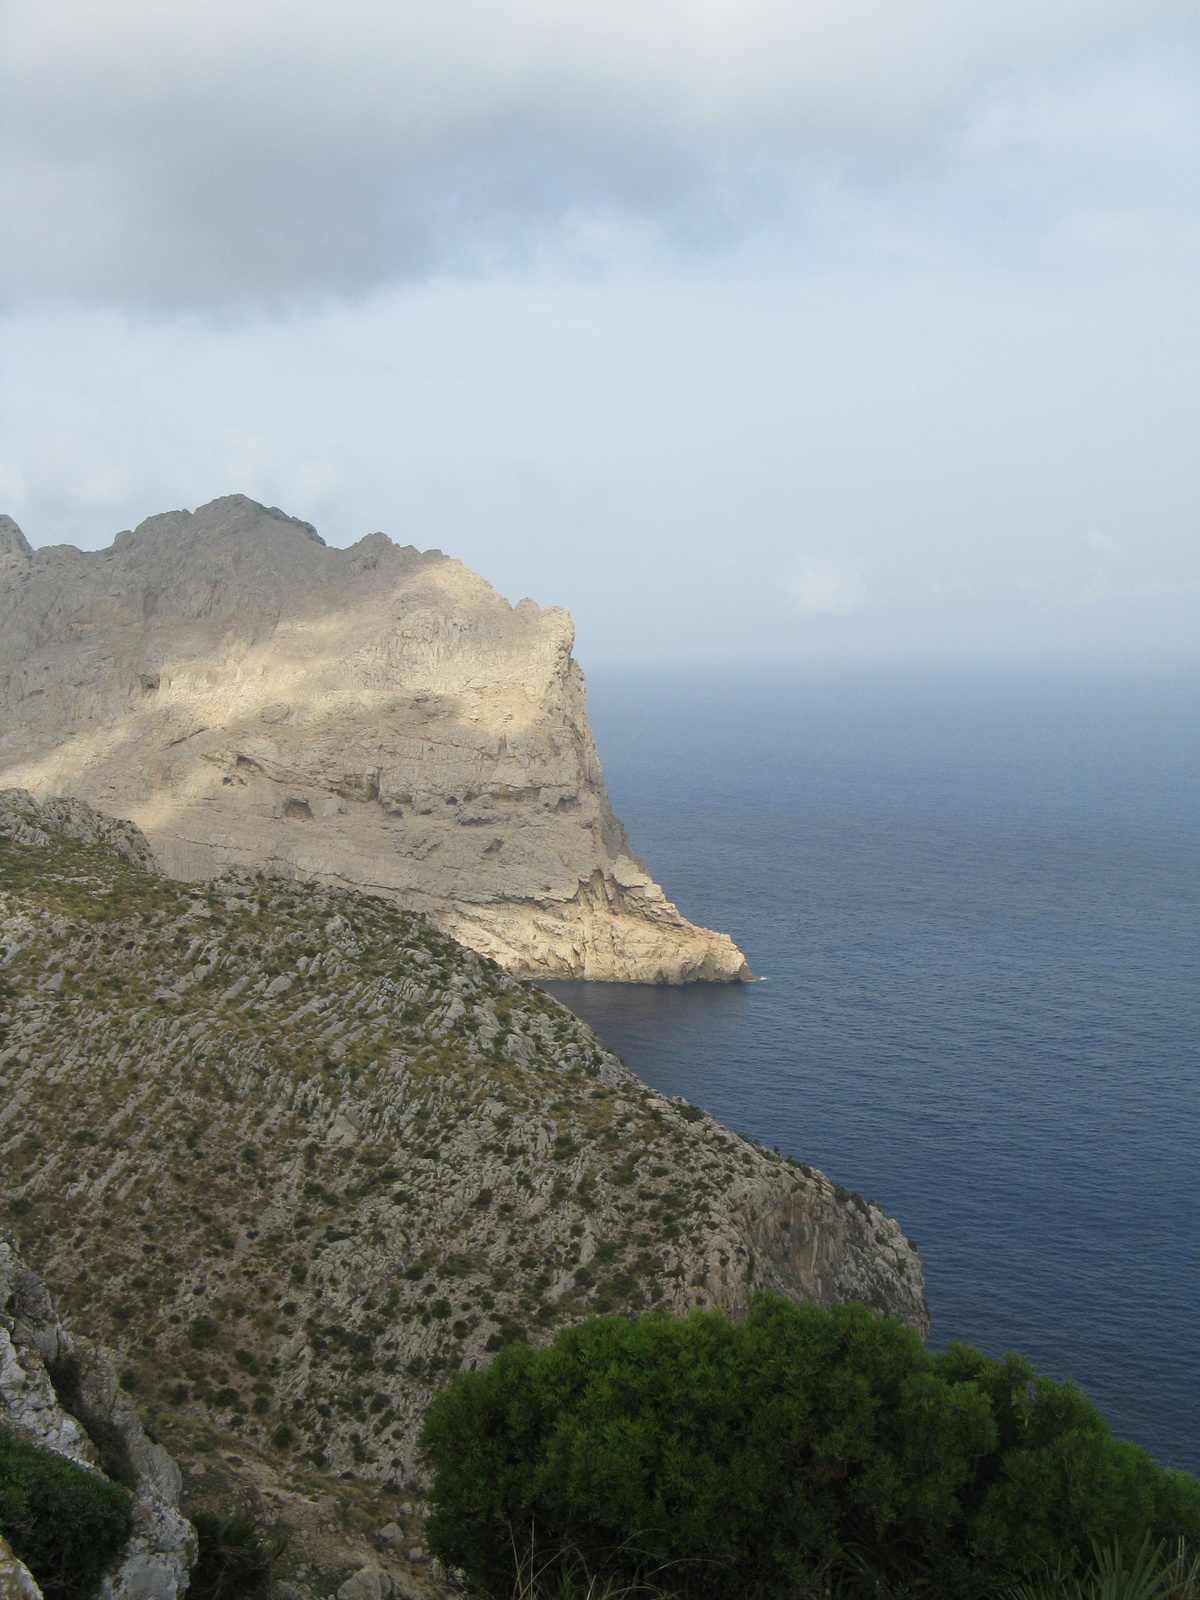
<point x="373" y="716"/>
<point x="13" y="543"/>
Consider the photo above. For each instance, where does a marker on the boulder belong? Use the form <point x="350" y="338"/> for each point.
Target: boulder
<point x="16" y="1580"/>
<point x="368" y="1583"/>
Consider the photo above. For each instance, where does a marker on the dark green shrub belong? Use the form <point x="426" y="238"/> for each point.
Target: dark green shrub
<point x="237" y="1559"/>
<point x="66" y="1524"/>
<point x="800" y="1445"/>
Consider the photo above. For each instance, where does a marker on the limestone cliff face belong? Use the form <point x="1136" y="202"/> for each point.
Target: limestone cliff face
<point x="373" y="717"/>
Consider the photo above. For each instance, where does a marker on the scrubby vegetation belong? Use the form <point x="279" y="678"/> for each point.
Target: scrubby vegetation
<point x="802" y="1451"/>
<point x="237" y="1559"/>
<point x="1147" y="1573"/>
<point x="66" y="1524"/>
<point x="295" y="1158"/>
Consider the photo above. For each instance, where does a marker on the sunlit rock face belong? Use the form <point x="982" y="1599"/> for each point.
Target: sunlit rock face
<point x="376" y="717"/>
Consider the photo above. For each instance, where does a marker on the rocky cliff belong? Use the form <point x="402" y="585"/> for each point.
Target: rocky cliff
<point x="372" y="717"/>
<point x="33" y="1345"/>
<point x="297" y="1157"/>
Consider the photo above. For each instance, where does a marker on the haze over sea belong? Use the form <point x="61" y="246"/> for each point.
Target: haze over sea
<point x="976" y="907"/>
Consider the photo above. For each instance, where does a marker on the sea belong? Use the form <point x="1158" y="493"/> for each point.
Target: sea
<point x="973" y="908"/>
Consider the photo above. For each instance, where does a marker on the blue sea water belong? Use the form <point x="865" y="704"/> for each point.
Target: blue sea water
<point x="976" y="911"/>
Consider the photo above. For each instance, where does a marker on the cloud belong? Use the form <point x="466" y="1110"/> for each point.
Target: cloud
<point x="1102" y="544"/>
<point x="238" y="153"/>
<point x="822" y="588"/>
<point x="949" y="586"/>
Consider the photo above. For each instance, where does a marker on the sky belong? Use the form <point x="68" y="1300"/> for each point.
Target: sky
<point x="751" y="332"/>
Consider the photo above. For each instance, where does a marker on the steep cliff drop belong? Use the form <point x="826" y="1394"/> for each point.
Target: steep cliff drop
<point x="376" y="717"/>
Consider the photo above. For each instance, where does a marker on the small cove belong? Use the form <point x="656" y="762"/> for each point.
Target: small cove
<point x="976" y="908"/>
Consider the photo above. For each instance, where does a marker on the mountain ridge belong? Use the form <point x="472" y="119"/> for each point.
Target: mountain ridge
<point x="296" y="1157"/>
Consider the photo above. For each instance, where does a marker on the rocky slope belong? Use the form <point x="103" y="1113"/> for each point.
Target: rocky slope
<point x="297" y="1157"/>
<point x="372" y="717"/>
<point x="33" y="1342"/>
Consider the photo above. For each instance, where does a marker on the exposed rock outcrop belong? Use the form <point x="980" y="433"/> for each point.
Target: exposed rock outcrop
<point x="162" y="1548"/>
<point x="372" y="717"/>
<point x="16" y="1580"/>
<point x="25" y="821"/>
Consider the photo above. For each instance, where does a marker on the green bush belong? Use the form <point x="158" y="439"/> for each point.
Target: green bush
<point x="799" y="1448"/>
<point x="66" y="1524"/>
<point x="237" y="1559"/>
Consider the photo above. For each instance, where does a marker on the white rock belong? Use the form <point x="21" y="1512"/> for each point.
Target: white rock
<point x="162" y="1547"/>
<point x="368" y="1583"/>
<point x="16" y="1580"/>
<point x="372" y="716"/>
<point x="291" y="1348"/>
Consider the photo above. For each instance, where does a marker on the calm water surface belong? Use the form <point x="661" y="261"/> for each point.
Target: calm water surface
<point x="976" y="910"/>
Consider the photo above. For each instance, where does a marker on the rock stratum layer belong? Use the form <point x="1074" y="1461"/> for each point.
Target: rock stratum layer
<point x="297" y="1157"/>
<point x="372" y="717"/>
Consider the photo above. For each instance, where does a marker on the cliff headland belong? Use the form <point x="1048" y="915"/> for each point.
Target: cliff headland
<point x="376" y="718"/>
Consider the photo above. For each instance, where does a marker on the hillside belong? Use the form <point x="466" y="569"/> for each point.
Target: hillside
<point x="374" y="717"/>
<point x="295" y="1157"/>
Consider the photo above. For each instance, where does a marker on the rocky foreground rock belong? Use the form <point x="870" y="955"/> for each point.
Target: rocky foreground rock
<point x="297" y="1157"/>
<point x="372" y="717"/>
<point x="162" y="1549"/>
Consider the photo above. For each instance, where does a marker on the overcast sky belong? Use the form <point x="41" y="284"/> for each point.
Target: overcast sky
<point x="847" y="330"/>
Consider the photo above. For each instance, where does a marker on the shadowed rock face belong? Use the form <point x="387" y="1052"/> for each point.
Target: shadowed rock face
<point x="374" y="717"/>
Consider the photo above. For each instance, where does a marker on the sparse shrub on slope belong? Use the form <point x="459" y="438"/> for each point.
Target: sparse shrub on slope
<point x="68" y="1525"/>
<point x="798" y="1448"/>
